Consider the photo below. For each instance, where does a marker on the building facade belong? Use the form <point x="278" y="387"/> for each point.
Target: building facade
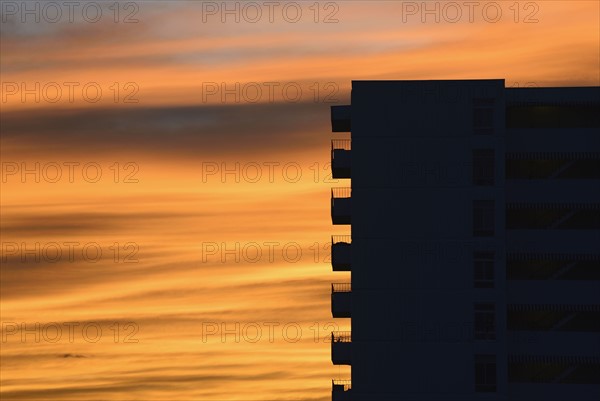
<point x="474" y="241"/>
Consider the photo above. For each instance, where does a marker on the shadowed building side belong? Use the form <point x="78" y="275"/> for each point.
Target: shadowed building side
<point x="475" y="222"/>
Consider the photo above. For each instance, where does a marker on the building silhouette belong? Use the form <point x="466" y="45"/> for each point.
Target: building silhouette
<point x="474" y="213"/>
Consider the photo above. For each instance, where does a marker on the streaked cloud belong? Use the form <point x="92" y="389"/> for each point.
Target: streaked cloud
<point x="174" y="209"/>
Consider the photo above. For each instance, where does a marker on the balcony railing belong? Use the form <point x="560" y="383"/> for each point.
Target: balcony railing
<point x="341" y="205"/>
<point x="341" y="336"/>
<point x="341" y="144"/>
<point x="341" y="299"/>
<point x="341" y="239"/>
<point x="341" y="287"/>
<point x="341" y="192"/>
<point x="341" y="385"/>
<point x="341" y="252"/>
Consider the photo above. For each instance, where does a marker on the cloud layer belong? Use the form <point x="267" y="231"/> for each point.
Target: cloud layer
<point x="188" y="106"/>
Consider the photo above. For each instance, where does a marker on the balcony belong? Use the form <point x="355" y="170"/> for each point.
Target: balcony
<point x="341" y="158"/>
<point x="341" y="299"/>
<point x="341" y="347"/>
<point x="341" y="252"/>
<point x="340" y="118"/>
<point x="341" y="205"/>
<point x="341" y="390"/>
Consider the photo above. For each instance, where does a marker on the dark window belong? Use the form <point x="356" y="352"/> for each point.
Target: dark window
<point x="485" y="373"/>
<point x="566" y="371"/>
<point x="553" y="267"/>
<point x="485" y="321"/>
<point x="552" y="217"/>
<point x="536" y="167"/>
<point x="553" y="116"/>
<point x="483" y="269"/>
<point x="483" y="116"/>
<point x="483" y="218"/>
<point x="483" y="166"/>
<point x="565" y="319"/>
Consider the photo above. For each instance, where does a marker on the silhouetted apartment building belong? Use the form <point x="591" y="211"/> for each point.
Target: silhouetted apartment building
<point x="474" y="254"/>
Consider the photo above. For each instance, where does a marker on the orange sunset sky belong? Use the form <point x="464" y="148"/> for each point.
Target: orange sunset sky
<point x="145" y="210"/>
